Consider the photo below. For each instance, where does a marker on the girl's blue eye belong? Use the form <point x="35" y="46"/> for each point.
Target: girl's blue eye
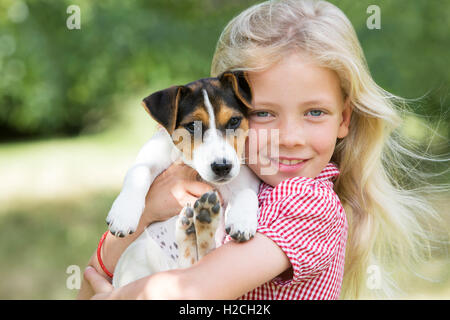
<point x="262" y="114"/>
<point x="315" y="113"/>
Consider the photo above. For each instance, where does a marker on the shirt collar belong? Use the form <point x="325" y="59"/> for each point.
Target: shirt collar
<point x="330" y="172"/>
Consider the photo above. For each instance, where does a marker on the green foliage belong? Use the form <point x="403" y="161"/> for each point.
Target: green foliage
<point x="56" y="81"/>
<point x="60" y="81"/>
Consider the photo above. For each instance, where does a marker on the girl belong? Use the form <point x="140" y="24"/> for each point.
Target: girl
<point x="310" y="81"/>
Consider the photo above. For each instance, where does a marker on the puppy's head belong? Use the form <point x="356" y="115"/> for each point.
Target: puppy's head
<point x="208" y="122"/>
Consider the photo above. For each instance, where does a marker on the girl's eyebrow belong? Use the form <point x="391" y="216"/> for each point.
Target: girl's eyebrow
<point x="301" y="104"/>
<point x="265" y="103"/>
<point x="315" y="102"/>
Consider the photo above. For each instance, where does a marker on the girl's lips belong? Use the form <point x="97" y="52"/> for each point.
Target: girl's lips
<point x="286" y="164"/>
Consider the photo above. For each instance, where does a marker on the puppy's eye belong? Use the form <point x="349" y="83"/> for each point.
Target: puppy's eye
<point x="234" y="122"/>
<point x="190" y="127"/>
<point x="194" y="127"/>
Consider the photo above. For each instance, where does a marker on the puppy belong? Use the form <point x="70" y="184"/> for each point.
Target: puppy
<point x="205" y="126"/>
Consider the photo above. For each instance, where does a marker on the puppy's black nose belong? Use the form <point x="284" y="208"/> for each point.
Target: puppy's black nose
<point x="221" y="168"/>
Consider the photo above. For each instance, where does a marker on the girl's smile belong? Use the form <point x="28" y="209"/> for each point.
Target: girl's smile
<point x="288" y="164"/>
<point x="304" y="103"/>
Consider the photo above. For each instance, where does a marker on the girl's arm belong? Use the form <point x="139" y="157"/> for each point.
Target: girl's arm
<point x="233" y="270"/>
<point x="225" y="273"/>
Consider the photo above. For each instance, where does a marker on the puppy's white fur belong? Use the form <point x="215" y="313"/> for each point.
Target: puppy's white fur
<point x="145" y="256"/>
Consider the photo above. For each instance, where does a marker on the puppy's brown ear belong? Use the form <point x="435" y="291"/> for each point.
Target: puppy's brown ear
<point x="163" y="106"/>
<point x="240" y="85"/>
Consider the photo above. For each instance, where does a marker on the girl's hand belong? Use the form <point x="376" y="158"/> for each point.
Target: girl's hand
<point x="171" y="191"/>
<point x="102" y="289"/>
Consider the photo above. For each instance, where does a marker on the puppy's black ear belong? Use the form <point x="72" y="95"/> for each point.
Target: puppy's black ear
<point x="163" y="106"/>
<point x="240" y="85"/>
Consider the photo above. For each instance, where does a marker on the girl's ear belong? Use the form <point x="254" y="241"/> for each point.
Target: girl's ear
<point x="346" y="116"/>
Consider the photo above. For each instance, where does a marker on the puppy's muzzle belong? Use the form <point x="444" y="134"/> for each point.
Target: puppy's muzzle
<point x="221" y="168"/>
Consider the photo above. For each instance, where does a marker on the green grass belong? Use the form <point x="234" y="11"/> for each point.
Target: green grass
<point x="40" y="240"/>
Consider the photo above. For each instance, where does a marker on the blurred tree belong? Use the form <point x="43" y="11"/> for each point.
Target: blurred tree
<point x="59" y="81"/>
<point x="56" y="81"/>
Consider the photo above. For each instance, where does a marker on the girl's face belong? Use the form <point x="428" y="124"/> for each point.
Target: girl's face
<point x="305" y="103"/>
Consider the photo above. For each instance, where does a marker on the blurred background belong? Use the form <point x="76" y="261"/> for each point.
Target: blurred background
<point x="71" y="121"/>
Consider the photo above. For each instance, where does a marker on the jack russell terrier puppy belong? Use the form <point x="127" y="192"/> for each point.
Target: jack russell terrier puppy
<point x="205" y="126"/>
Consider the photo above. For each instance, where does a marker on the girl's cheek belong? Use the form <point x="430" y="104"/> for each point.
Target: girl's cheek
<point x="323" y="141"/>
<point x="257" y="146"/>
<point x="253" y="144"/>
<point x="251" y="156"/>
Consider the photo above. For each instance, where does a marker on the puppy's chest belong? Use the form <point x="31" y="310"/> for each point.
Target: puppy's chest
<point x="163" y="233"/>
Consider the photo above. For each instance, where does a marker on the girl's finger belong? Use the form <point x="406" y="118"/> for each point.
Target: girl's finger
<point x="97" y="282"/>
<point x="196" y="188"/>
<point x="189" y="200"/>
<point x="181" y="169"/>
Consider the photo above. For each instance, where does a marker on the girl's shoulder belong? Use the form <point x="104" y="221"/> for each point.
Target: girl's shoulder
<point x="301" y="197"/>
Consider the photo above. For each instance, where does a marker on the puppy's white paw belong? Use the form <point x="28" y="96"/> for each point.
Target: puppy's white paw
<point x="123" y="218"/>
<point x="186" y="238"/>
<point x="185" y="223"/>
<point x="207" y="210"/>
<point x="241" y="227"/>
<point x="241" y="219"/>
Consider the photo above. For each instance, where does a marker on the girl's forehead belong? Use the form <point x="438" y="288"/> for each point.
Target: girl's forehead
<point x="296" y="78"/>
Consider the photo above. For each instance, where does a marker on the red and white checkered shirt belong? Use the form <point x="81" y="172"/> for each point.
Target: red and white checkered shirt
<point x="305" y="218"/>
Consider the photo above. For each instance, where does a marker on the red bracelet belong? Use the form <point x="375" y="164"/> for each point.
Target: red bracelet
<point x="99" y="256"/>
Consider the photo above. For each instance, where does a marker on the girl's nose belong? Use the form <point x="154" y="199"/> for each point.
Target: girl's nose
<point x="291" y="134"/>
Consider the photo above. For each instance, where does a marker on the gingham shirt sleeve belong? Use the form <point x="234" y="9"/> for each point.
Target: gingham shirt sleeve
<point x="304" y="220"/>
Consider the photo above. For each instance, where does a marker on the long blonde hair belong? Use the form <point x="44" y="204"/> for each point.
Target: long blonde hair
<point x="385" y="219"/>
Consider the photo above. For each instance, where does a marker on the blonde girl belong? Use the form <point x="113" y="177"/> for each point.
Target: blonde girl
<point x="385" y="226"/>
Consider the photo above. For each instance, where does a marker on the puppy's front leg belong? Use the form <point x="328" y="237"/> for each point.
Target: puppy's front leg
<point x="241" y="216"/>
<point x="207" y="211"/>
<point x="123" y="218"/>
<point x="186" y="238"/>
<point x="156" y="155"/>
